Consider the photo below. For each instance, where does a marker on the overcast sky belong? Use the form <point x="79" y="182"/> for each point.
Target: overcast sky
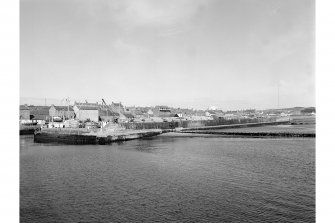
<point x="184" y="53"/>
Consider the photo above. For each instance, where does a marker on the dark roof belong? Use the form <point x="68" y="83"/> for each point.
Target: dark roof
<point x="162" y="107"/>
<point x="87" y="106"/>
<point x="40" y="117"/>
<point x="108" y="112"/>
<point x="33" y="107"/>
<point x="117" y="104"/>
<point x="39" y="110"/>
<point x="63" y="108"/>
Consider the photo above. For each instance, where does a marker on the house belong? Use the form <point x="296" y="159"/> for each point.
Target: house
<point x="24" y="112"/>
<point x="86" y="111"/>
<point x="39" y="114"/>
<point x="61" y="111"/>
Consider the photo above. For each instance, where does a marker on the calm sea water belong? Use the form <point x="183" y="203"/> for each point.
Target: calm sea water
<point x="169" y="179"/>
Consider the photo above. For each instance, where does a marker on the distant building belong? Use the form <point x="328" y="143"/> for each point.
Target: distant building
<point x="210" y="113"/>
<point x="86" y="111"/>
<point x="24" y="112"/>
<point x="213" y="108"/>
<point x="162" y="111"/>
<point x="230" y="116"/>
<point x="310" y="110"/>
<point x="215" y="114"/>
<point x="150" y="113"/>
<point x="61" y="111"/>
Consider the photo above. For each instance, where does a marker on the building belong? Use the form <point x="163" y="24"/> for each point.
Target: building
<point x="86" y="111"/>
<point x="107" y="115"/>
<point x="117" y="107"/>
<point x="39" y="114"/>
<point x="150" y="113"/>
<point x="24" y="112"/>
<point x="162" y="111"/>
<point x="210" y="113"/>
<point x="64" y="112"/>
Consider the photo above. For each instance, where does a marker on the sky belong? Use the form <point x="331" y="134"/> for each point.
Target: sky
<point x="232" y="54"/>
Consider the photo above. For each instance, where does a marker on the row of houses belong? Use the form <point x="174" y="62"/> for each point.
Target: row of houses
<point x="80" y="111"/>
<point x="44" y="113"/>
<point x="102" y="112"/>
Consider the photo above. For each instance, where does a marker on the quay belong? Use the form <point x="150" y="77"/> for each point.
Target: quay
<point x="28" y="129"/>
<point x="82" y="136"/>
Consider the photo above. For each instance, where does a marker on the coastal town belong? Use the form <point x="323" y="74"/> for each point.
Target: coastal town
<point x="85" y="115"/>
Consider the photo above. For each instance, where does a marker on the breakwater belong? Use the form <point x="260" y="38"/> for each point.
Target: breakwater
<point x="245" y="125"/>
<point x="260" y="130"/>
<point x="256" y="134"/>
<point x="85" y="137"/>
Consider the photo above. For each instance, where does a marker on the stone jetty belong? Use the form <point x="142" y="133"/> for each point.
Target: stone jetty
<point x="81" y="136"/>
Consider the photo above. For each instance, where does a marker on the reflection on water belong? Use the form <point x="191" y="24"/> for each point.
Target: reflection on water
<point x="169" y="179"/>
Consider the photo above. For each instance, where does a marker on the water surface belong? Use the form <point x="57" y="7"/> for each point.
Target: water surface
<point x="164" y="179"/>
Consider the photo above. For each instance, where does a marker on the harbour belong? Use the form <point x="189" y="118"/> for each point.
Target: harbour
<point x="165" y="111"/>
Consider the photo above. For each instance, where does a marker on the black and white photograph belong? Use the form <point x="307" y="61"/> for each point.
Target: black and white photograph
<point x="166" y="111"/>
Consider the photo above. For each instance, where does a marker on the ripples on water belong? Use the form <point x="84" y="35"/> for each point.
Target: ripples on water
<point x="164" y="179"/>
